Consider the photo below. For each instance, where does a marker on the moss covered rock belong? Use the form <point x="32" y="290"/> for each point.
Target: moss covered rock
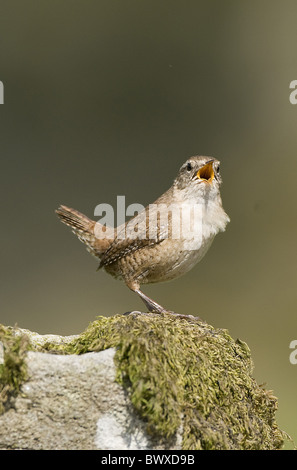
<point x="181" y="376"/>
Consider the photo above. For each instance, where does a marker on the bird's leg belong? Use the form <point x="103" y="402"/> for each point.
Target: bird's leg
<point x="150" y="303"/>
<point x="153" y="306"/>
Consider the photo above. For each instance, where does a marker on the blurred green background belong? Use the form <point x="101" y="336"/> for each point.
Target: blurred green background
<point x="110" y="97"/>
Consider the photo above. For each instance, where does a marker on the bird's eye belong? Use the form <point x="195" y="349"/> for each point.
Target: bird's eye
<point x="189" y="167"/>
<point x="218" y="169"/>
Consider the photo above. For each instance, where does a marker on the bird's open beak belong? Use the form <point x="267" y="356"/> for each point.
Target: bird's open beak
<point x="206" y="173"/>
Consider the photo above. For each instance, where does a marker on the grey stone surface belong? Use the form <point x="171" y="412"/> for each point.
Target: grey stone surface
<point x="73" y="402"/>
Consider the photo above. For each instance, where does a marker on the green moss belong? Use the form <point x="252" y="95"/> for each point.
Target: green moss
<point x="13" y="370"/>
<point x="180" y="374"/>
<point x="183" y="371"/>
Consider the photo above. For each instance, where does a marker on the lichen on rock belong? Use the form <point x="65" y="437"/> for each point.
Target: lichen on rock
<point x="182" y="375"/>
<point x="183" y="372"/>
<point x="13" y="371"/>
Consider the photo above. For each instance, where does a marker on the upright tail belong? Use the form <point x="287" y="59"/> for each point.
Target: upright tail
<point x="84" y="229"/>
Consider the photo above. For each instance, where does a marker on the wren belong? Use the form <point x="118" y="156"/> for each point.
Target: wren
<point x="158" y="244"/>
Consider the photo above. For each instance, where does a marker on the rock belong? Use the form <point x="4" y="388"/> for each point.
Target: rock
<point x="134" y="382"/>
<point x="72" y="402"/>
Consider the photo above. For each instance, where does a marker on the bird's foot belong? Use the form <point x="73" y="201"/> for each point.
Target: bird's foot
<point x="138" y="312"/>
<point x="164" y="311"/>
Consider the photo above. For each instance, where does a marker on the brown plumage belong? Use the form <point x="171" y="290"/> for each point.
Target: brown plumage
<point x="155" y="255"/>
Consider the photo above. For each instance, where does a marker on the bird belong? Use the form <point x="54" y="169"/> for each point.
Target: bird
<point x="167" y="238"/>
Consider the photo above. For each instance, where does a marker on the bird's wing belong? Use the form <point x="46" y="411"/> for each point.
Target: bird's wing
<point x="145" y="229"/>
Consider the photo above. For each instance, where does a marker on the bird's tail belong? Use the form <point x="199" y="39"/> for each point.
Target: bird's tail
<point x="84" y="229"/>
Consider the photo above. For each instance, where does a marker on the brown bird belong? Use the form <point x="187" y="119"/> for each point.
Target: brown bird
<point x="166" y="239"/>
